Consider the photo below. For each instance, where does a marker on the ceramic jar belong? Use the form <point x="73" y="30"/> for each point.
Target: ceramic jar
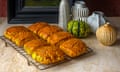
<point x="80" y="11"/>
<point x="64" y="14"/>
<point x="96" y="20"/>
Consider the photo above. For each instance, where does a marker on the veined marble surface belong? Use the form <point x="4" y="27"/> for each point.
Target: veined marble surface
<point x="104" y="58"/>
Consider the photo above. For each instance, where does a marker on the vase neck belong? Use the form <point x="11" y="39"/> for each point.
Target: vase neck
<point x="80" y="4"/>
<point x="64" y="0"/>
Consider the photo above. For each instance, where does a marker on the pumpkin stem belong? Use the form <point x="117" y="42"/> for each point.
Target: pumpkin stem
<point x="107" y="24"/>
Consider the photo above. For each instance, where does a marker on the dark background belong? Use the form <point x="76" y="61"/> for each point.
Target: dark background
<point x="111" y="8"/>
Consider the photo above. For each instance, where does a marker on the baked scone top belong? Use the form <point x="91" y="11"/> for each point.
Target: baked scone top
<point x="48" y="31"/>
<point x="12" y="31"/>
<point x="22" y="37"/>
<point x="37" y="26"/>
<point x="48" y="55"/>
<point x="35" y="43"/>
<point x="30" y="46"/>
<point x="59" y="36"/>
<point x="73" y="47"/>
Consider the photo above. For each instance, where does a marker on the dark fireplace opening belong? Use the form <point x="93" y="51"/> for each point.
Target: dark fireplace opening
<point x="29" y="11"/>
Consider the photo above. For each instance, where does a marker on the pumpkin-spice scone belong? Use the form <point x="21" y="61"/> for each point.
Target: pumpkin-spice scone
<point x="48" y="31"/>
<point x="12" y="31"/>
<point x="35" y="27"/>
<point x="59" y="36"/>
<point x="73" y="47"/>
<point x="30" y="46"/>
<point x="22" y="37"/>
<point x="48" y="55"/>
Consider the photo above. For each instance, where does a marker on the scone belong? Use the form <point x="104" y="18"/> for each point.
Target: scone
<point x="59" y="36"/>
<point x="22" y="37"/>
<point x="30" y="46"/>
<point x="73" y="47"/>
<point x="48" y="55"/>
<point x="37" y="26"/>
<point x="12" y="31"/>
<point x="48" y="31"/>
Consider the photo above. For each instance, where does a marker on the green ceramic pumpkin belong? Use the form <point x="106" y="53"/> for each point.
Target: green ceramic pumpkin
<point x="78" y="28"/>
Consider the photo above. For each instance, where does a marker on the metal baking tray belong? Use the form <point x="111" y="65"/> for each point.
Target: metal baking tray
<point x="32" y="61"/>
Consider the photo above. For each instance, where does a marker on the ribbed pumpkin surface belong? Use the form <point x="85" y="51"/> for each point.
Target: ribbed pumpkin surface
<point x="106" y="34"/>
<point x="78" y="28"/>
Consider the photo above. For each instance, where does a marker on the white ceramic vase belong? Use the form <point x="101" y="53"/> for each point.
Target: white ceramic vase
<point x="96" y="20"/>
<point x="64" y="14"/>
<point x="80" y="11"/>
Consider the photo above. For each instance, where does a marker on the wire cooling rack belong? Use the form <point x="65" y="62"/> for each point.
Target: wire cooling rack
<point x="32" y="61"/>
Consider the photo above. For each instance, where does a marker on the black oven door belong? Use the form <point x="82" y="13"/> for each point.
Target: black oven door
<point x="29" y="11"/>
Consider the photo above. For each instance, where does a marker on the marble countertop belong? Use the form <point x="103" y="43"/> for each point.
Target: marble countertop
<point x="104" y="58"/>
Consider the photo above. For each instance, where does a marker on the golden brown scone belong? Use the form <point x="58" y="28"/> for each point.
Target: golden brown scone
<point x="59" y="36"/>
<point x="33" y="44"/>
<point x="12" y="31"/>
<point x="22" y="37"/>
<point x="48" y="55"/>
<point x="37" y="26"/>
<point x="73" y="47"/>
<point x="48" y="31"/>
